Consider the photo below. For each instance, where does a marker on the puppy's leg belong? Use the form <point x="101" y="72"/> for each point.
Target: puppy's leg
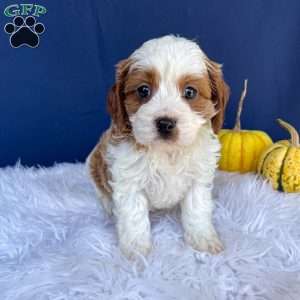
<point x="196" y="210"/>
<point x="133" y="224"/>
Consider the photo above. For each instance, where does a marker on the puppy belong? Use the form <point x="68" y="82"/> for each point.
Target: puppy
<point x="166" y="105"/>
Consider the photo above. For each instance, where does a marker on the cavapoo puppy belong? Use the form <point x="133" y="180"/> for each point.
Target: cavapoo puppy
<point x="161" y="150"/>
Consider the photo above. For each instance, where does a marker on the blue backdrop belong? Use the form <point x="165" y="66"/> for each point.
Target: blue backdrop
<point x="52" y="100"/>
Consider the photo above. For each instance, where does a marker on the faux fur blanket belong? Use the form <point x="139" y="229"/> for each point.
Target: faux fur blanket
<point x="56" y="243"/>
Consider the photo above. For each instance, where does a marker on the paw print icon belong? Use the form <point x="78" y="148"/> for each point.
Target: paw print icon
<point x="24" y="32"/>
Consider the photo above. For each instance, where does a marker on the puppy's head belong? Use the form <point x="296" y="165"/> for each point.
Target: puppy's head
<point x="166" y="91"/>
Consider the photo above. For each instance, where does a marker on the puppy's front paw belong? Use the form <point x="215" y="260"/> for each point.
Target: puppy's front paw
<point x="208" y="242"/>
<point x="136" y="248"/>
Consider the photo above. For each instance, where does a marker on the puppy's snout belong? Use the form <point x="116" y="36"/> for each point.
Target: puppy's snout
<point x="165" y="126"/>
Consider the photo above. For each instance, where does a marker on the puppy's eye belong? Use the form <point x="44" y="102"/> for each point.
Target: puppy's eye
<point x="144" y="91"/>
<point x="189" y="93"/>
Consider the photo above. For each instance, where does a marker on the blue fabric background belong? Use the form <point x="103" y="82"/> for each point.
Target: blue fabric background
<point x="52" y="99"/>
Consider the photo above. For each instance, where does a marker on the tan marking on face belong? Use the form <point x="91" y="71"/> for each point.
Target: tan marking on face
<point x="134" y="80"/>
<point x="202" y="103"/>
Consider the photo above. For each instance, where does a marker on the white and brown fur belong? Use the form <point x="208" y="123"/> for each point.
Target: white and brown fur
<point x="135" y="170"/>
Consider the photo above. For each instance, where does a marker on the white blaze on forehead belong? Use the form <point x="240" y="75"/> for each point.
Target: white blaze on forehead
<point x="172" y="56"/>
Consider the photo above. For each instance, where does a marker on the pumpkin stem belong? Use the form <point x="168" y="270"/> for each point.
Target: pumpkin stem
<point x="237" y="125"/>
<point x="292" y="131"/>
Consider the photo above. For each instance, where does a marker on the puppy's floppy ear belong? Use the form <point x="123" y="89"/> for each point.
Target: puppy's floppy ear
<point x="116" y="97"/>
<point x="219" y="94"/>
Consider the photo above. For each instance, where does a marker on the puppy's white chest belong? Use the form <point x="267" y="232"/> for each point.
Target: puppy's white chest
<point x="164" y="179"/>
<point x="166" y="184"/>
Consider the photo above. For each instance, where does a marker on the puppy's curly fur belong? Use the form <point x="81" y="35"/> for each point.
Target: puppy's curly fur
<point x="161" y="150"/>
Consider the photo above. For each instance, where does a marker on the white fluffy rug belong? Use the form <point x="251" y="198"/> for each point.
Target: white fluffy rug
<point x="56" y="243"/>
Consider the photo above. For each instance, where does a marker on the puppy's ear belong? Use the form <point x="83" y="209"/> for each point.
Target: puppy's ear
<point x="220" y="93"/>
<point x="116" y="97"/>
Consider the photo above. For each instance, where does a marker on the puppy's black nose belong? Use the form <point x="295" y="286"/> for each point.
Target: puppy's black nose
<point x="165" y="125"/>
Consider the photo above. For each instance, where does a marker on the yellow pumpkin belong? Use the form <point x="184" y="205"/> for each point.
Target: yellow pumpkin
<point x="280" y="163"/>
<point x="241" y="149"/>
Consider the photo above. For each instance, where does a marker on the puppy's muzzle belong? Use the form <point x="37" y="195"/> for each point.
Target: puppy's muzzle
<point x="165" y="127"/>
